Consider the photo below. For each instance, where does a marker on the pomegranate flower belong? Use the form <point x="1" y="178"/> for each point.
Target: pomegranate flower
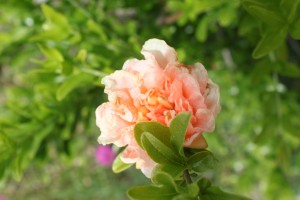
<point x="156" y="89"/>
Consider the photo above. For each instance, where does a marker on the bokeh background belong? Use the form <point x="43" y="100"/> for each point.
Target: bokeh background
<point x="54" y="53"/>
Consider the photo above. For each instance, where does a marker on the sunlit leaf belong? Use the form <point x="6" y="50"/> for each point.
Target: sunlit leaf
<point x="52" y="53"/>
<point x="81" y="55"/>
<point x="56" y="18"/>
<point x="227" y="16"/>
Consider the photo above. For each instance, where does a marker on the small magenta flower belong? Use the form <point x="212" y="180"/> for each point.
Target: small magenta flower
<point x="2" y="198"/>
<point x="104" y="155"/>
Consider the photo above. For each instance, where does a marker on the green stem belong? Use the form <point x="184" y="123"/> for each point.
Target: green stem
<point x="187" y="177"/>
<point x="188" y="180"/>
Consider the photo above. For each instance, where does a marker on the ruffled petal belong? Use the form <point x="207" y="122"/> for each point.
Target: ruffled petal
<point x="113" y="127"/>
<point x="200" y="74"/>
<point x="160" y="51"/>
<point x="212" y="99"/>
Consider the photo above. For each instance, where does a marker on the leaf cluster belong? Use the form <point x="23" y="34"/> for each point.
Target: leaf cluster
<point x="171" y="177"/>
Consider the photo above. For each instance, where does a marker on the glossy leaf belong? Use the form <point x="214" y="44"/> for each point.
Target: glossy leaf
<point x="160" y="131"/>
<point x="178" y="128"/>
<point x="158" y="151"/>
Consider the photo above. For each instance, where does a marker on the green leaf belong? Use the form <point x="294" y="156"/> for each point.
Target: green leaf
<point x="204" y="183"/>
<point x="71" y="83"/>
<point x="290" y="8"/>
<point x="246" y="25"/>
<point x="56" y="18"/>
<point x="178" y="128"/>
<point x="215" y="193"/>
<point x="51" y="33"/>
<point x="43" y="132"/>
<point x="158" y="151"/>
<point x="226" y="16"/>
<point x="295" y="29"/>
<point x="94" y="27"/>
<point x="151" y="192"/>
<point x="192" y="190"/>
<point x="202" y="29"/>
<point x="184" y="197"/>
<point x="16" y="166"/>
<point x="6" y="147"/>
<point x="261" y="69"/>
<point x="270" y="17"/>
<point x="160" y="131"/>
<point x="56" y="28"/>
<point x="119" y="166"/>
<point x="81" y="55"/>
<point x="172" y="169"/>
<point x="51" y="53"/>
<point x="202" y="161"/>
<point x="204" y="5"/>
<point x="269" y="42"/>
<point x="163" y="179"/>
<point x="287" y="69"/>
<point x="67" y="68"/>
<point x="275" y="190"/>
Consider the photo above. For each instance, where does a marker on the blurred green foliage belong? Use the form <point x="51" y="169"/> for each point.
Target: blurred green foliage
<point x="53" y="56"/>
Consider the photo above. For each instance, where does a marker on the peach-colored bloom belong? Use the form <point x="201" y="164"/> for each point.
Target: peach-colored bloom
<point x="156" y="89"/>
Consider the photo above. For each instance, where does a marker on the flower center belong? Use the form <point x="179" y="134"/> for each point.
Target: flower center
<point x="156" y="103"/>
